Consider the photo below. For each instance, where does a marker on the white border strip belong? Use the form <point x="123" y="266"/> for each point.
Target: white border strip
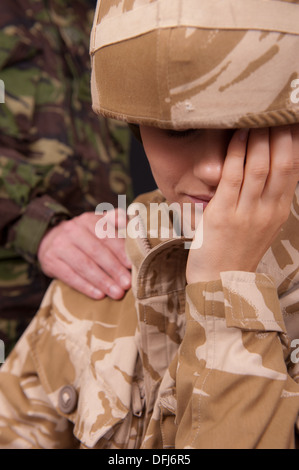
<point x="262" y="15"/>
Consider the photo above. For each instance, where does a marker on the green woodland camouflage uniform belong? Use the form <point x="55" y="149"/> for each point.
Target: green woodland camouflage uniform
<point x="57" y="158"/>
<point x="204" y="365"/>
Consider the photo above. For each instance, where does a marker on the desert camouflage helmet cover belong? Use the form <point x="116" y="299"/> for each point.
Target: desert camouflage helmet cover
<point x="197" y="63"/>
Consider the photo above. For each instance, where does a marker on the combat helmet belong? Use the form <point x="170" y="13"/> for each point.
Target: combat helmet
<point x="181" y="64"/>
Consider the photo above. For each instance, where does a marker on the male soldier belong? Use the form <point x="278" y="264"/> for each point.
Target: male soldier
<point x="58" y="160"/>
<point x="198" y="354"/>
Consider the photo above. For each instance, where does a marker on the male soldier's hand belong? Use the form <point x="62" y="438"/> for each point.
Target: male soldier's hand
<point x="73" y="253"/>
<point x="251" y="203"/>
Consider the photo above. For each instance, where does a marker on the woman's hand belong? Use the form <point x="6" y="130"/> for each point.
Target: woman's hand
<point x="251" y="203"/>
<point x="96" y="267"/>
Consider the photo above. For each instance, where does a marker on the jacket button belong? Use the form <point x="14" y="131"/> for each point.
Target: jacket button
<point x="67" y="400"/>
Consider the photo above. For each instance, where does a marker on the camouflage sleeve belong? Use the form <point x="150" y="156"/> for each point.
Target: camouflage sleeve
<point x="57" y="158"/>
<point x="23" y="227"/>
<point x="233" y="387"/>
<point x="40" y="215"/>
<point x="26" y="212"/>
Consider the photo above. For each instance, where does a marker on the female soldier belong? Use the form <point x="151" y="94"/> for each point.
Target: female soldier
<point x="199" y="352"/>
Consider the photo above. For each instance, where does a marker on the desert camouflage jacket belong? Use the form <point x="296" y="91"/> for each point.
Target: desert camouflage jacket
<point x="207" y="365"/>
<point x="57" y="158"/>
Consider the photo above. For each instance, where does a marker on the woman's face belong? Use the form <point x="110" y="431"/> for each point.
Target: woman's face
<point x="186" y="165"/>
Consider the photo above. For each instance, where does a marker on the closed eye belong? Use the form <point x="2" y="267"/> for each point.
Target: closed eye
<point x="181" y="134"/>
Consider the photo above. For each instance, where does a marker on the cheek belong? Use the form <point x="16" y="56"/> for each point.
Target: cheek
<point x="165" y="160"/>
<point x="166" y="174"/>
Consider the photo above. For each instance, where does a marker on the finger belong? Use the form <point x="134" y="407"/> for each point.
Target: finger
<point x="229" y="187"/>
<point x="107" y="259"/>
<point x="85" y="267"/>
<point x="117" y="247"/>
<point x="256" y="167"/>
<point x="116" y="217"/>
<point x="281" y="166"/>
<point x="70" y="277"/>
<point x="103" y="256"/>
<point x="115" y="242"/>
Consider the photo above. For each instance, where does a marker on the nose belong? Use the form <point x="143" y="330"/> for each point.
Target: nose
<point x="208" y="170"/>
<point x="208" y="160"/>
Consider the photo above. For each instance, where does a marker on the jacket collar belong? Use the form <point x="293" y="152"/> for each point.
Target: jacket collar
<point x="150" y="254"/>
<point x="158" y="284"/>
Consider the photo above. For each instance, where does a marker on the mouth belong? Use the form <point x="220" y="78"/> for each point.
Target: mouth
<point x="199" y="199"/>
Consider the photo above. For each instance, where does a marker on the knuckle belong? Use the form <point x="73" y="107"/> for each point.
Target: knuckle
<point x="233" y="178"/>
<point x="68" y="227"/>
<point x="286" y="168"/>
<point x="259" y="171"/>
<point x="76" y="221"/>
<point x="83" y="218"/>
<point x="235" y="181"/>
<point x="58" y="245"/>
<point x="296" y="164"/>
<point x="235" y="153"/>
<point x="277" y="216"/>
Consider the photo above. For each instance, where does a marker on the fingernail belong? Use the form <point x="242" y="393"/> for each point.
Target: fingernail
<point x="125" y="282"/>
<point x="97" y="293"/>
<point x="115" y="291"/>
<point x="243" y="134"/>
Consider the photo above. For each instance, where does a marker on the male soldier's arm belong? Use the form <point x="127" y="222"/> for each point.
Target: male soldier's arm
<point x="58" y="160"/>
<point x="26" y="212"/>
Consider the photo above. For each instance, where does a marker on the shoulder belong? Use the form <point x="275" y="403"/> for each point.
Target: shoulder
<point x="71" y="360"/>
<point x="77" y="316"/>
<point x="73" y="333"/>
